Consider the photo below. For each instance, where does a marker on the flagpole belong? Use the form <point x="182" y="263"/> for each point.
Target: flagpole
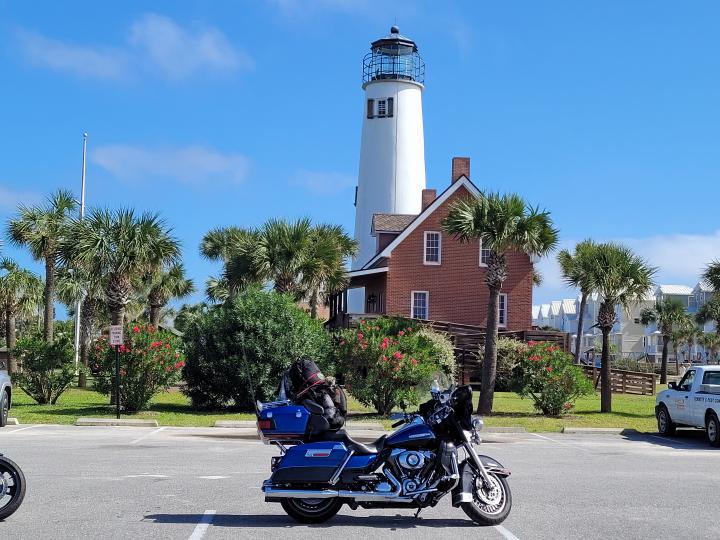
<point x="82" y="216"/>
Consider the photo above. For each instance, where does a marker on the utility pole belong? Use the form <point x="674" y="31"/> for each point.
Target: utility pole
<point x="82" y="216"/>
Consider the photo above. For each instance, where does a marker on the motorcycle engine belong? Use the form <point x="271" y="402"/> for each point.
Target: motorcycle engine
<point x="413" y="466"/>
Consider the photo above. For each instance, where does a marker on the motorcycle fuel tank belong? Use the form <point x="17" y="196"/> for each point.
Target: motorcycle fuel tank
<point x="411" y="436"/>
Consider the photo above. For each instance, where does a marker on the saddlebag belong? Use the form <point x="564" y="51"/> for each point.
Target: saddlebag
<point x="313" y="463"/>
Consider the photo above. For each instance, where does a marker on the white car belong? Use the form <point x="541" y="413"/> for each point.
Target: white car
<point x="5" y="394"/>
<point x="693" y="402"/>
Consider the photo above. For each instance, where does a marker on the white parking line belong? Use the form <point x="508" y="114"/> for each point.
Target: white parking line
<point x="507" y="534"/>
<point x="153" y="432"/>
<point x="562" y="443"/>
<point x="24" y="428"/>
<point x="202" y="527"/>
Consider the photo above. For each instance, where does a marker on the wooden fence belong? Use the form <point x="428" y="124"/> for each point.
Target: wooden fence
<point x="625" y="382"/>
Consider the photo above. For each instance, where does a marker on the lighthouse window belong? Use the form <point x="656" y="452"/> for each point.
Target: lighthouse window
<point x="432" y="247"/>
<point x="380" y="108"/>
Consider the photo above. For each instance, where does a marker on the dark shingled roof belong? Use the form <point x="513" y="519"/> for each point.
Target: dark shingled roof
<point x="392" y="222"/>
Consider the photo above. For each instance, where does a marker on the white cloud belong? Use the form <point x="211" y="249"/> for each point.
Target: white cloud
<point x="85" y="61"/>
<point x="178" y="53"/>
<point x="11" y="198"/>
<point x="323" y="183"/>
<point x="680" y="259"/>
<point x="155" y="44"/>
<point x="190" y="165"/>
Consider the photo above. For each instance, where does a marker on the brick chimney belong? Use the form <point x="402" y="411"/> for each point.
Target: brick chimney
<point x="428" y="196"/>
<point x="460" y="167"/>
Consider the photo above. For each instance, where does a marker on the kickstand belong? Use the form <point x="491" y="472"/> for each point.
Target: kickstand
<point x="418" y="512"/>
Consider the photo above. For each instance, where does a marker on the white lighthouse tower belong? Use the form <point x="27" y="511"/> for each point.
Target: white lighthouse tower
<point x="392" y="150"/>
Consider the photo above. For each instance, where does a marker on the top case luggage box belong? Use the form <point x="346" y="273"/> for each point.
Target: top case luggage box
<point x="282" y="422"/>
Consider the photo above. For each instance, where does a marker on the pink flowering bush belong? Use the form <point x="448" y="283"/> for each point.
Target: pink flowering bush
<point x="547" y="375"/>
<point x="150" y="362"/>
<point x="386" y="361"/>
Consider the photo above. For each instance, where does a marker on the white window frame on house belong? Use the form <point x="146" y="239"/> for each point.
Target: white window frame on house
<point x="425" y="248"/>
<point x="483" y="264"/>
<point x="503" y="311"/>
<point x="427" y="305"/>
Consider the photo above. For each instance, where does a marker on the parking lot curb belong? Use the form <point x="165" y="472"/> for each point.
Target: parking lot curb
<point x="132" y="422"/>
<point x="235" y="424"/>
<point x="13" y="422"/>
<point x="504" y="429"/>
<point x="589" y="431"/>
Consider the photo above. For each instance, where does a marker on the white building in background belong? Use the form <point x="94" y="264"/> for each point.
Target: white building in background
<point x="391" y="174"/>
<point x="629" y="337"/>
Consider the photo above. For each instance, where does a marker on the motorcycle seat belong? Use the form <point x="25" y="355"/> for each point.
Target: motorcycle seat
<point x="360" y="449"/>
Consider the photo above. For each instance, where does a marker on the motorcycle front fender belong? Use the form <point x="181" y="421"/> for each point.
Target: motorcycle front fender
<point x="463" y="491"/>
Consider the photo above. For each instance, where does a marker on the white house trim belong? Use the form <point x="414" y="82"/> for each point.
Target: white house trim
<point x="444" y="196"/>
<point x="358" y="273"/>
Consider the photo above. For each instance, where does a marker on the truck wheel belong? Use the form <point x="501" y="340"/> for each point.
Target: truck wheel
<point x="712" y="426"/>
<point x="665" y="424"/>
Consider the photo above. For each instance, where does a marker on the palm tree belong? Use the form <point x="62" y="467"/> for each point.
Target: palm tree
<point x="620" y="278"/>
<point x="323" y="269"/>
<point x="711" y="275"/>
<point x="119" y="247"/>
<point x="711" y="342"/>
<point x="576" y="270"/>
<point x="280" y="253"/>
<point x="504" y="223"/>
<point x="41" y="228"/>
<point x="710" y="311"/>
<point x="235" y="248"/>
<point x="188" y="314"/>
<point x="668" y="315"/>
<point x="75" y="285"/>
<point x="20" y="293"/>
<point x="165" y="285"/>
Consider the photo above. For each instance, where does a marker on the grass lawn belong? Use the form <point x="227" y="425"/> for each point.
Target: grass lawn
<point x="173" y="409"/>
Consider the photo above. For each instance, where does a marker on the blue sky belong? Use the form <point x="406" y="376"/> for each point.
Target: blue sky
<point x="228" y="113"/>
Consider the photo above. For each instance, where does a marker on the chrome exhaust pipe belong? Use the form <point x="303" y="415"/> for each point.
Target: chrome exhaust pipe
<point x="361" y="496"/>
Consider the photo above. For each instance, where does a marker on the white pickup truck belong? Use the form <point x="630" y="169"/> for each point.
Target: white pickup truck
<point x="692" y="402"/>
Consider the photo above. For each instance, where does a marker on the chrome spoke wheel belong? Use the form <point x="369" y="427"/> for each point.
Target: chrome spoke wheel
<point x="491" y="498"/>
<point x="7" y="488"/>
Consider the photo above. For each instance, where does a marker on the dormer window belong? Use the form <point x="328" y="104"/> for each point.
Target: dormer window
<point x="380" y="108"/>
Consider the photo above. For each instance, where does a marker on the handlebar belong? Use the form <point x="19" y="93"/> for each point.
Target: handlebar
<point x="398" y="423"/>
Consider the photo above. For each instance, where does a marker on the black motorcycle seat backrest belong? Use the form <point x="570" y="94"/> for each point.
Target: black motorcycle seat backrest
<point x="312" y="407"/>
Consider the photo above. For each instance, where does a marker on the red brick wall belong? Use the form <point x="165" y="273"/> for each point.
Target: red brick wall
<point x="457" y="286"/>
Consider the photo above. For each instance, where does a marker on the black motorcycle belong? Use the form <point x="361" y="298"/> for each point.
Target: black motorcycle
<point x="414" y="467"/>
<point x="12" y="487"/>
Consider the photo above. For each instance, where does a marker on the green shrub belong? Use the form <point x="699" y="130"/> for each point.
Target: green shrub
<point x="150" y="362"/>
<point x="47" y="368"/>
<point x="548" y="376"/>
<point x="250" y="339"/>
<point x="386" y="362"/>
<point x="510" y="352"/>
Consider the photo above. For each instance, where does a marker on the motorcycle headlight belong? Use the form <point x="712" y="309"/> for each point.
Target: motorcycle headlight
<point x="477" y="423"/>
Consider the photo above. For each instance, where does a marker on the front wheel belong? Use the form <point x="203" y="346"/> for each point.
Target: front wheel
<point x="311" y="510"/>
<point x="12" y="487"/>
<point x="491" y="504"/>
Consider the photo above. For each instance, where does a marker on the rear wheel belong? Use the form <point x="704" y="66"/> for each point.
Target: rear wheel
<point x="311" y="510"/>
<point x="491" y="504"/>
<point x="665" y="424"/>
<point x="12" y="487"/>
<point x="712" y="426"/>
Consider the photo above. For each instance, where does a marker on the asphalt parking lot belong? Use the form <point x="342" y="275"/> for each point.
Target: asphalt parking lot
<point x="178" y="483"/>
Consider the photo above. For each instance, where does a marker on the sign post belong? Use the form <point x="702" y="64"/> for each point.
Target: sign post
<point x="116" y="339"/>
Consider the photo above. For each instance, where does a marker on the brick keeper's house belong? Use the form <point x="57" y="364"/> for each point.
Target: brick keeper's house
<point x="419" y="271"/>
